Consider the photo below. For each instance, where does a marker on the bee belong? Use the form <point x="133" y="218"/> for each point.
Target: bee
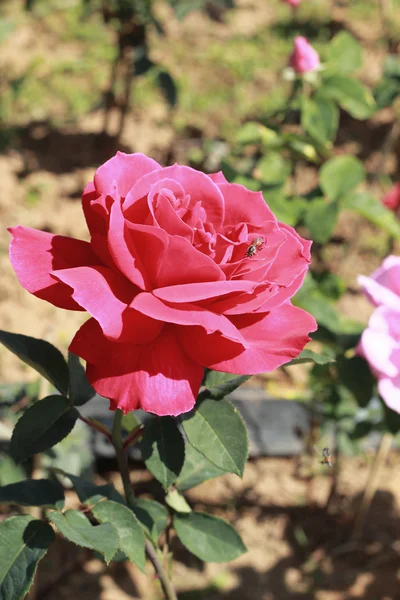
<point x="254" y="246"/>
<point x="326" y="456"/>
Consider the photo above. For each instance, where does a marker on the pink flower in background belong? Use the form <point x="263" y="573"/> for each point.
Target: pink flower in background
<point x="293" y="3"/>
<point x="303" y="58"/>
<point x="380" y="346"/>
<point x="183" y="271"/>
<point x="383" y="286"/>
<point x="380" y="342"/>
<point x="392" y="198"/>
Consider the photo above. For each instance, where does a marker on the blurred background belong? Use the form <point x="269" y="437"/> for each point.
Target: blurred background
<point x="205" y="83"/>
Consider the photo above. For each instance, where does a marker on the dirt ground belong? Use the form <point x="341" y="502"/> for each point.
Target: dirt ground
<point x="299" y="547"/>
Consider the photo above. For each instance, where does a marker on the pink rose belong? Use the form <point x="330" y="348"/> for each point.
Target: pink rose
<point x="392" y="198"/>
<point x="383" y="286"/>
<point x="303" y="58"/>
<point x="293" y="3"/>
<point x="380" y="346"/>
<point x="183" y="271"/>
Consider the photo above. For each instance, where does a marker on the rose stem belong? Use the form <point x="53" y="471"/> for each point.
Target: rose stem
<point x="130" y="498"/>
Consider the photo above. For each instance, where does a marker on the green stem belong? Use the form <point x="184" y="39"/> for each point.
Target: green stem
<point x="130" y="498"/>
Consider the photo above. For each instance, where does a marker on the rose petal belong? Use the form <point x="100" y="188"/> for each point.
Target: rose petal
<point x="274" y="338"/>
<point x="193" y="292"/>
<point x="157" y="377"/>
<point x="119" y="174"/>
<point x="389" y="389"/>
<point x="186" y="314"/>
<point x="35" y="254"/>
<point x="244" y="206"/>
<point x="198" y="185"/>
<point x="102" y="292"/>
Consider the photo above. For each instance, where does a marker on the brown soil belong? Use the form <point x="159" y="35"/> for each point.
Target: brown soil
<point x="298" y="549"/>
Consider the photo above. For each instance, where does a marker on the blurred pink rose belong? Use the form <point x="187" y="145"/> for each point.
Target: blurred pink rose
<point x="380" y="346"/>
<point x="392" y="198"/>
<point x="383" y="286"/>
<point x="303" y="58"/>
<point x="293" y="3"/>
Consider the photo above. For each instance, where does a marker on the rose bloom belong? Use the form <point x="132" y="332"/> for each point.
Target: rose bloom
<point x="303" y="58"/>
<point x="383" y="287"/>
<point x="293" y="3"/>
<point x="392" y="198"/>
<point x="380" y="346"/>
<point x="183" y="271"/>
<point x="380" y="342"/>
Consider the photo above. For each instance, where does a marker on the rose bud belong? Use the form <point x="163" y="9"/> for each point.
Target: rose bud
<point x="303" y="58"/>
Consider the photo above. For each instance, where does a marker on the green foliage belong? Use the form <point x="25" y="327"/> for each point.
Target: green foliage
<point x="321" y="218"/>
<point x="216" y="429"/>
<point x="374" y="211"/>
<point x="40" y="355"/>
<point x="320" y="118"/>
<point x="209" y="538"/>
<point x="42" y="426"/>
<point x="177" y="501"/>
<point x="90" y="493"/>
<point x="344" y="53"/>
<point x="77" y="528"/>
<point x="196" y="469"/>
<point x="341" y="175"/>
<point x="131" y="538"/>
<point x="152" y="516"/>
<point x="163" y="449"/>
<point x="308" y="356"/>
<point x="356" y="376"/>
<point x="33" y="492"/>
<point x="220" y="384"/>
<point x="388" y="88"/>
<point x="23" y="543"/>
<point x="350" y="94"/>
<point x="80" y="389"/>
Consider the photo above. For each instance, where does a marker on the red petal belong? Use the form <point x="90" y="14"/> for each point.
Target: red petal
<point x="274" y="338"/>
<point x="119" y="174"/>
<point x="103" y="293"/>
<point x="157" y="377"/>
<point x="199" y="186"/>
<point x="244" y="206"/>
<point x="186" y="314"/>
<point x="193" y="292"/>
<point x="36" y="254"/>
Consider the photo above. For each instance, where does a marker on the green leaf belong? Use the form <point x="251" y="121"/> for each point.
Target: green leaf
<point x="89" y="493"/>
<point x="80" y="389"/>
<point x="152" y="516"/>
<point x="33" y="492"/>
<point x="352" y="96"/>
<point x="131" y="538"/>
<point x="341" y="175"/>
<point x="386" y="92"/>
<point x="356" y="376"/>
<point x="163" y="449"/>
<point x="345" y="53"/>
<point x="168" y="87"/>
<point x="177" y="502"/>
<point x="40" y="355"/>
<point x="321" y="218"/>
<point x="42" y="426"/>
<point x="216" y="429"/>
<point x="374" y="211"/>
<point x="307" y="356"/>
<point x="272" y="169"/>
<point x="196" y="469"/>
<point x="209" y="538"/>
<point x="256" y="133"/>
<point x="287" y="210"/>
<point x="23" y="543"/>
<point x="220" y="384"/>
<point x="320" y="118"/>
<point x="76" y="528"/>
